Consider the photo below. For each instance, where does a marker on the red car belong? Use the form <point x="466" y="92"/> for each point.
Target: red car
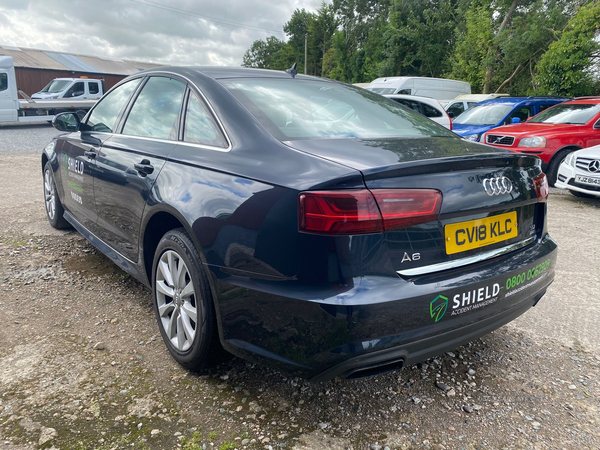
<point x="553" y="133"/>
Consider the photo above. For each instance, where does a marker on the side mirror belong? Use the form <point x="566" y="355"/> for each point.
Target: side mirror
<point x="515" y="120"/>
<point x="66" y="122"/>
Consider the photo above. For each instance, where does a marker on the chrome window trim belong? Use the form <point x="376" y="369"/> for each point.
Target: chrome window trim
<point x="191" y="144"/>
<point x="464" y="261"/>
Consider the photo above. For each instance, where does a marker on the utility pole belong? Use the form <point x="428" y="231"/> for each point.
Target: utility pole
<point x="305" y="52"/>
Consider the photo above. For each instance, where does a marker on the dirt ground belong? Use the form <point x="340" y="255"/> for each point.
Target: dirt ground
<point x="82" y="364"/>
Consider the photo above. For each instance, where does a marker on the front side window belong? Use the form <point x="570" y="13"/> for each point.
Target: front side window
<point x="522" y="114"/>
<point x="76" y="90"/>
<point x="156" y="110"/>
<point x="93" y="87"/>
<point x="200" y="127"/>
<point x="574" y="113"/>
<point x="105" y="114"/>
<point x="296" y="109"/>
<point x="484" y="114"/>
<point x="3" y="81"/>
<point x="456" y="109"/>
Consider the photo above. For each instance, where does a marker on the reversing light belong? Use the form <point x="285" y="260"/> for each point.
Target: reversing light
<point x="541" y="187"/>
<point x="347" y="212"/>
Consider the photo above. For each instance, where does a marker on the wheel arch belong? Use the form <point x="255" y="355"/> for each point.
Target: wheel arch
<point x="156" y="223"/>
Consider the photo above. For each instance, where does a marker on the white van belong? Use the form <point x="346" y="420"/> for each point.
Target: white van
<point x="438" y="88"/>
<point x="71" y="88"/>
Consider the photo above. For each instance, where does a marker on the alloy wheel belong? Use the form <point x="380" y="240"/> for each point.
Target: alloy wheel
<point x="49" y="194"/>
<point x="176" y="300"/>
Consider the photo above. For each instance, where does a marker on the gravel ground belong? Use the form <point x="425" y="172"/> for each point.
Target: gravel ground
<point x="82" y="364"/>
<point x="25" y="139"/>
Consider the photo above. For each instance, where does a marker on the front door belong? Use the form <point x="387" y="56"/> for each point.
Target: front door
<point x="130" y="162"/>
<point x="80" y="150"/>
<point x="77" y="161"/>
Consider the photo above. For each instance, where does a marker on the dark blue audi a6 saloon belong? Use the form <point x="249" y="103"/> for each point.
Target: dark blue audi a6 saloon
<point x="300" y="222"/>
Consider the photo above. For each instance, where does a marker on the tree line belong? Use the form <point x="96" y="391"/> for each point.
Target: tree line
<point x="520" y="47"/>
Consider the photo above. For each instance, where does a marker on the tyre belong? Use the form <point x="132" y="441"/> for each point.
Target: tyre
<point x="183" y="302"/>
<point x="54" y="208"/>
<point x="552" y="172"/>
<point x="582" y="194"/>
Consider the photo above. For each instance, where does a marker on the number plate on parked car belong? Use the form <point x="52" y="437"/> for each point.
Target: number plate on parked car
<point x="463" y="236"/>
<point x="593" y="181"/>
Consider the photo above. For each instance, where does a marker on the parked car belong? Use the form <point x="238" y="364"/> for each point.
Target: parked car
<point x="463" y="102"/>
<point x="71" y="88"/>
<point x="300" y="222"/>
<point x="429" y="107"/>
<point x="580" y="173"/>
<point x="494" y="113"/>
<point x="437" y="88"/>
<point x="553" y="134"/>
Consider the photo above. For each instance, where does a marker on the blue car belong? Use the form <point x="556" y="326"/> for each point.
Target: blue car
<point x="499" y="111"/>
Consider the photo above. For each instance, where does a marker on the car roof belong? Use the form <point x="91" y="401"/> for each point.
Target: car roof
<point x="222" y="72"/>
<point x="517" y="100"/>
<point x="585" y="100"/>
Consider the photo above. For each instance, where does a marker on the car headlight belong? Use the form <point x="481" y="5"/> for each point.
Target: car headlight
<point x="472" y="137"/>
<point x="535" y="141"/>
<point x="569" y="160"/>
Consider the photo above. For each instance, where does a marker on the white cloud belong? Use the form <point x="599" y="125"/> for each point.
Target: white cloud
<point x="131" y="30"/>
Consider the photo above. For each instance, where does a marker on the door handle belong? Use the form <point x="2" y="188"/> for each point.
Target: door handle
<point x="91" y="153"/>
<point x="144" y="167"/>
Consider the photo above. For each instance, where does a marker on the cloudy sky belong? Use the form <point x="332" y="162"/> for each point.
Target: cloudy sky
<point x="185" y="32"/>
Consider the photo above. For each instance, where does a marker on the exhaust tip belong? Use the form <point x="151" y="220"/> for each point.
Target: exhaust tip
<point x="375" y="369"/>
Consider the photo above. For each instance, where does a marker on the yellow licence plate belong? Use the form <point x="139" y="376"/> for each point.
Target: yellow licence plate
<point x="464" y="236"/>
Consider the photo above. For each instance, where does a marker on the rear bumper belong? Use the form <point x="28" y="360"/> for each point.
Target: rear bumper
<point x="417" y="351"/>
<point x="379" y="323"/>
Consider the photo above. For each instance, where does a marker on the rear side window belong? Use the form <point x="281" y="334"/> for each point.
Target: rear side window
<point x="3" y="81"/>
<point x="93" y="88"/>
<point x="408" y="103"/>
<point x="430" y="111"/>
<point x="156" y="110"/>
<point x="105" y="114"/>
<point x="200" y="127"/>
<point x="404" y="91"/>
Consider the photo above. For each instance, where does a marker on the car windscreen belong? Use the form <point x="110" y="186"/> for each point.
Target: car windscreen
<point x="294" y="109"/>
<point x="56" y="86"/>
<point x="575" y="114"/>
<point x="382" y="91"/>
<point x="484" y="115"/>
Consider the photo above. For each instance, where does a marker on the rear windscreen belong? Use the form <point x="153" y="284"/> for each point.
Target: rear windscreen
<point x="302" y="109"/>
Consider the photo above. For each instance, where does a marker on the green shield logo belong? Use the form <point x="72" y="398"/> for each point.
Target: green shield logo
<point x="438" y="307"/>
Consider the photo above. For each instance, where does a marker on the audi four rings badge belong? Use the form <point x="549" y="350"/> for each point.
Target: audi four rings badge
<point x="497" y="186"/>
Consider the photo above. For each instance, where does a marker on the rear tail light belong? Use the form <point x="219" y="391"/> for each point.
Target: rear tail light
<point x="541" y="187"/>
<point x="363" y="211"/>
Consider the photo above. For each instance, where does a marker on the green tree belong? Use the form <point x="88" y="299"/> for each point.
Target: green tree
<point x="261" y="53"/>
<point x="565" y="69"/>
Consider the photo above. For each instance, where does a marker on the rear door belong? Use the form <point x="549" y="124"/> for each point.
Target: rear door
<point x="79" y="152"/>
<point x="129" y="163"/>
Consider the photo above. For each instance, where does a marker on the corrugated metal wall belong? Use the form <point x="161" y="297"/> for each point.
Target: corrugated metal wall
<point x="31" y="81"/>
